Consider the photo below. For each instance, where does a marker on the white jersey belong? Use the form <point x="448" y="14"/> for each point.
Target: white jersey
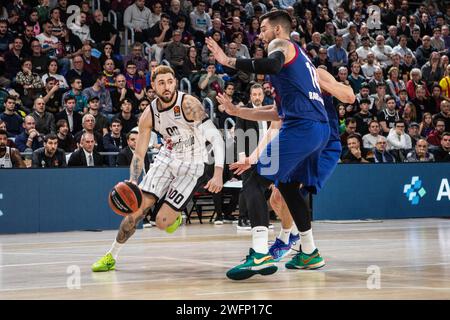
<point x="5" y="161"/>
<point x="182" y="138"/>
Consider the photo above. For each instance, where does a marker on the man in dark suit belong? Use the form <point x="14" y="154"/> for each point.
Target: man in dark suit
<point x="86" y="156"/>
<point x="248" y="134"/>
<point x="126" y="155"/>
<point x="74" y="119"/>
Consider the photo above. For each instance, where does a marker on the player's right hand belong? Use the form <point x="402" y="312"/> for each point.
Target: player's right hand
<point x="240" y="167"/>
<point x="226" y="103"/>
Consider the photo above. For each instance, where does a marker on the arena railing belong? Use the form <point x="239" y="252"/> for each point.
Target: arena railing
<point x="147" y="50"/>
<point x="112" y="14"/>
<point x="184" y="82"/>
<point x="209" y="107"/>
<point x="131" y="31"/>
<point x="95" y="4"/>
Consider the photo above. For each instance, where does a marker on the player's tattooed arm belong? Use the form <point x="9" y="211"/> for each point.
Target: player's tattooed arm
<point x="281" y="45"/>
<point x="193" y="109"/>
<point x="137" y="163"/>
<point x="17" y="159"/>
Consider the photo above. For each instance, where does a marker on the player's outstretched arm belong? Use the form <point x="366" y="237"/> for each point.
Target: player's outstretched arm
<point x="328" y="83"/>
<point x="193" y="110"/>
<point x="265" y="113"/>
<point x="145" y="128"/>
<point x="280" y="50"/>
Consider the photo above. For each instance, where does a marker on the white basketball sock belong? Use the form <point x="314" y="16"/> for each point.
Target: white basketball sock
<point x="307" y="242"/>
<point x="294" y="229"/>
<point x="260" y="237"/>
<point x="284" y="235"/>
<point x="115" y="249"/>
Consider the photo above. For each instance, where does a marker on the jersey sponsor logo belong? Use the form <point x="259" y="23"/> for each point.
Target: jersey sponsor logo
<point x="177" y="112"/>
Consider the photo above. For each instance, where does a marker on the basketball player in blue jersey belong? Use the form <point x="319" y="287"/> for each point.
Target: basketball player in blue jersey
<point x="303" y="135"/>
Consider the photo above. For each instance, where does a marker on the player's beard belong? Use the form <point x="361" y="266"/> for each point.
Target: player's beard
<point x="164" y="99"/>
<point x="2" y="148"/>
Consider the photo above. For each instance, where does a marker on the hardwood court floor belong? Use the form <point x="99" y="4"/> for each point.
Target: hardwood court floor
<point x="413" y="257"/>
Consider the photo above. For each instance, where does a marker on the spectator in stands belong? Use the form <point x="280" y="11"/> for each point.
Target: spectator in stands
<point x="388" y="117"/>
<point x="126" y="117"/>
<point x="134" y="81"/>
<point x="351" y="36"/>
<point x="395" y="84"/>
<point x="426" y="126"/>
<point x="13" y="58"/>
<point x="49" y="43"/>
<point x="143" y="104"/>
<point x="137" y="18"/>
<point x="408" y="113"/>
<point x="101" y="122"/>
<point x="79" y="72"/>
<point x="242" y="49"/>
<point x="414" y="133"/>
<point x="421" y="102"/>
<point x="11" y="118"/>
<point x="380" y="153"/>
<point x="444" y="114"/>
<point x="355" y="78"/>
<point x="121" y="92"/>
<point x="192" y="66"/>
<point x="445" y="82"/>
<point x="432" y="72"/>
<point x="175" y="52"/>
<point x="416" y="80"/>
<point x="379" y="98"/>
<point x="382" y="52"/>
<point x="314" y="45"/>
<point x="337" y="54"/>
<point x="137" y="58"/>
<point x="424" y="51"/>
<point x="76" y="92"/>
<point x="159" y="36"/>
<point x="370" y="139"/>
<point x="392" y="40"/>
<point x="398" y="141"/>
<point x="365" y="48"/>
<point x="175" y="13"/>
<point x="38" y="60"/>
<point x="28" y="83"/>
<point x="402" y="48"/>
<point x="322" y="59"/>
<point x="52" y="95"/>
<point x="57" y="25"/>
<point x="73" y="119"/>
<point x="103" y="32"/>
<point x="233" y="28"/>
<point x="126" y="154"/>
<point x="65" y="138"/>
<point x="354" y="153"/>
<point x="9" y="157"/>
<point x="52" y="71"/>
<point x="91" y="64"/>
<point x="420" y="153"/>
<point x="435" y="136"/>
<point x="350" y="129"/>
<point x="327" y="39"/>
<point x="88" y="123"/>
<point x="98" y="90"/>
<point x="44" y="120"/>
<point x="442" y="154"/>
<point x="363" y="118"/>
<point x="370" y="66"/>
<point x="49" y="156"/>
<point x="210" y="83"/>
<point x="115" y="140"/>
<point x="30" y="139"/>
<point x="86" y="155"/>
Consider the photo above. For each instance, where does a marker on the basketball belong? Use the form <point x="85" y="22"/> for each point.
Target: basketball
<point x="125" y="198"/>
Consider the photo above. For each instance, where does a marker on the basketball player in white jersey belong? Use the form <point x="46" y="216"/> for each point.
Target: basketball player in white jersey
<point x="9" y="157"/>
<point x="178" y="169"/>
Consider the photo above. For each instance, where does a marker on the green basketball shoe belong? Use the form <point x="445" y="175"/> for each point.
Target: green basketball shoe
<point x="105" y="263"/>
<point x="174" y="226"/>
<point x="255" y="263"/>
<point x="306" y="261"/>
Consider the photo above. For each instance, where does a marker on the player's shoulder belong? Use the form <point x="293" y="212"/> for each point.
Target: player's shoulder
<point x="278" y="44"/>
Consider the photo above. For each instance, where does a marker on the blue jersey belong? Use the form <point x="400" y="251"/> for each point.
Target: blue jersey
<point x="332" y="116"/>
<point x="298" y="92"/>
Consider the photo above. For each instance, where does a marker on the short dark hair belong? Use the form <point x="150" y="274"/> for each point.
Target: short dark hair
<point x="72" y="80"/>
<point x="399" y="121"/>
<point x="130" y="133"/>
<point x="280" y="17"/>
<point x="9" y="97"/>
<point x="3" y="132"/>
<point x="130" y="63"/>
<point x="256" y="86"/>
<point x="350" y="120"/>
<point x="116" y="120"/>
<point x="50" y="78"/>
<point x="367" y="101"/>
<point x="50" y="136"/>
<point x="61" y="123"/>
<point x="389" y="98"/>
<point x="165" y="16"/>
<point x="446" y="133"/>
<point x="69" y="97"/>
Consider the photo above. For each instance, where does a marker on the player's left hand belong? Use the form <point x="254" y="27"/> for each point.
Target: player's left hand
<point x="214" y="185"/>
<point x="227" y="105"/>
<point x="241" y="166"/>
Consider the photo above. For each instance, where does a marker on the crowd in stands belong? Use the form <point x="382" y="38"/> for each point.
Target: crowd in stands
<point x="66" y="86"/>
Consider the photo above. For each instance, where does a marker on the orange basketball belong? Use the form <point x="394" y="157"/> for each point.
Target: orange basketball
<point x="125" y="198"/>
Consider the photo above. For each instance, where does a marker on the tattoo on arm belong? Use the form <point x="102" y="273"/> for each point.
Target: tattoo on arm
<point x="127" y="228"/>
<point x="17" y="160"/>
<point x="135" y="168"/>
<point x="193" y="109"/>
<point x="278" y="45"/>
<point x="232" y="62"/>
